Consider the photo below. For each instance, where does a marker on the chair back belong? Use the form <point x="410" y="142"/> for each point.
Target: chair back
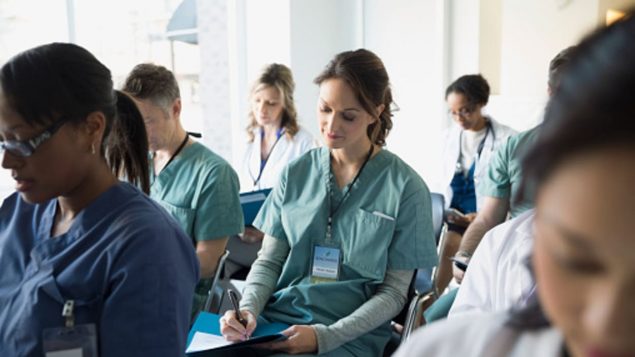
<point x="438" y="207"/>
<point x="424" y="278"/>
<point x="415" y="313"/>
<point x="215" y="293"/>
<point x="423" y="283"/>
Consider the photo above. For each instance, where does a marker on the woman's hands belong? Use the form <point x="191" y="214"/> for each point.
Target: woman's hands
<point x="233" y="330"/>
<point x="300" y="339"/>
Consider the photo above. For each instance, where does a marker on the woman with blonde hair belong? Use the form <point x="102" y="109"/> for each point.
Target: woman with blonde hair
<point x="274" y="136"/>
<point x="274" y="140"/>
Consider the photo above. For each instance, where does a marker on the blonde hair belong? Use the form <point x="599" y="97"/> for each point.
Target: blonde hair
<point x="277" y="76"/>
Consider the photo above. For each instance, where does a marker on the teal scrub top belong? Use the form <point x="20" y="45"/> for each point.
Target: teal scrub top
<point x="200" y="189"/>
<point x="504" y="174"/>
<point x="384" y="223"/>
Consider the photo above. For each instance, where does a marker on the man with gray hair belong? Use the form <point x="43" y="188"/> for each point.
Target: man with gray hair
<point x="198" y="188"/>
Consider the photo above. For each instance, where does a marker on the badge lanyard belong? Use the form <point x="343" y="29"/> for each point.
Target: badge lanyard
<point x="179" y="149"/>
<point x="459" y="164"/>
<point x="327" y="257"/>
<point x="332" y="212"/>
<point x="263" y="162"/>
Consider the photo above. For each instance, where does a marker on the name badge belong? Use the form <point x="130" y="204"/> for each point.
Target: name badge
<point x="71" y="340"/>
<point x="326" y="264"/>
<point x="76" y="341"/>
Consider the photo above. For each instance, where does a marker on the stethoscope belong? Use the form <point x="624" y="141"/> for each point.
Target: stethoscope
<point x="263" y="162"/>
<point x="481" y="145"/>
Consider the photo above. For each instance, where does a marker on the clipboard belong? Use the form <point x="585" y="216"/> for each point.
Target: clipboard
<point x="205" y="335"/>
<point x="251" y="203"/>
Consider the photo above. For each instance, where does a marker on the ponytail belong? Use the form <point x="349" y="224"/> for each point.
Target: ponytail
<point x="126" y="145"/>
<point x="65" y="80"/>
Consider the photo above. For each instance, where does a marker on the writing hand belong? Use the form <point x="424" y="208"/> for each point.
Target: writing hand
<point x="233" y="330"/>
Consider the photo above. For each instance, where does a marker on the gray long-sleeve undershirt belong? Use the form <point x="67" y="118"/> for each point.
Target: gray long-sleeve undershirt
<point x="381" y="307"/>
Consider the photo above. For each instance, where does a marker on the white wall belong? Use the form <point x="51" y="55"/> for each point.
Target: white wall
<point x="267" y="34"/>
<point x="258" y="35"/>
<point x="490" y="16"/>
<point x="303" y="35"/>
<point x="464" y="37"/>
<point x="319" y="30"/>
<point x="407" y="36"/>
<point x="424" y="45"/>
<point x="533" y="32"/>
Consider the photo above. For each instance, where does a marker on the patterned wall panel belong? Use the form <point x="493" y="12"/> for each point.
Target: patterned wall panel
<point x="214" y="76"/>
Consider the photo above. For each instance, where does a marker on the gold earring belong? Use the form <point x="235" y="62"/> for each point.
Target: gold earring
<point x="92" y="147"/>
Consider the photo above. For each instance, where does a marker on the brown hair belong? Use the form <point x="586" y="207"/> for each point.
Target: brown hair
<point x="556" y="66"/>
<point x="280" y="77"/>
<point x="367" y="76"/>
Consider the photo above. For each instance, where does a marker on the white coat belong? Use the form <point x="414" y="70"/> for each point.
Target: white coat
<point x="484" y="336"/>
<point x="497" y="136"/>
<point x="498" y="277"/>
<point x="285" y="151"/>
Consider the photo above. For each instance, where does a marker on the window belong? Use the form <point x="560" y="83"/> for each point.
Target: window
<point x="120" y="33"/>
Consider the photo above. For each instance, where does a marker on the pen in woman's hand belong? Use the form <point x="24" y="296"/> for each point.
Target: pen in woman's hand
<point x="234" y="300"/>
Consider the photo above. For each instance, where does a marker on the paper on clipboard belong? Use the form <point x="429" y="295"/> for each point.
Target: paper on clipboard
<point x="205" y="335"/>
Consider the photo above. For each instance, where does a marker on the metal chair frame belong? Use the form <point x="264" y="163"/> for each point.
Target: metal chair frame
<point x="211" y="294"/>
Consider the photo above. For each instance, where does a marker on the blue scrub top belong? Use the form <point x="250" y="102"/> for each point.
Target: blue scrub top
<point x="463" y="192"/>
<point x="385" y="223"/>
<point x="127" y="264"/>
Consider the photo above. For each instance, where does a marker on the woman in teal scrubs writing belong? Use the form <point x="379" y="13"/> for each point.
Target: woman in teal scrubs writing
<point x="345" y="227"/>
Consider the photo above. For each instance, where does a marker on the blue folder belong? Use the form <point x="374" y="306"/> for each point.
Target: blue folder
<point x="251" y="203"/>
<point x="209" y="323"/>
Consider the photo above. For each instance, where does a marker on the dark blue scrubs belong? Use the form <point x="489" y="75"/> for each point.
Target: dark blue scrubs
<point x="463" y="195"/>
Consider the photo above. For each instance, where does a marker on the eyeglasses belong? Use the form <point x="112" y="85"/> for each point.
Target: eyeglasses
<point x="26" y="148"/>
<point x="463" y="112"/>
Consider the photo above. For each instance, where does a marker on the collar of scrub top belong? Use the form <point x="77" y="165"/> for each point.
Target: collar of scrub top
<point x="180" y="148"/>
<point x="331" y="211"/>
<point x="263" y="162"/>
<point x="488" y="125"/>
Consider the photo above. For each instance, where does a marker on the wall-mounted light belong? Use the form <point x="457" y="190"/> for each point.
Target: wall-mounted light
<point x="613" y="15"/>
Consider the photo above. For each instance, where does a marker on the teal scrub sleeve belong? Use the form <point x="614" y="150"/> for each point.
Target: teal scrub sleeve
<point x="269" y="218"/>
<point x="497" y="181"/>
<point x="413" y="245"/>
<point x="219" y="213"/>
